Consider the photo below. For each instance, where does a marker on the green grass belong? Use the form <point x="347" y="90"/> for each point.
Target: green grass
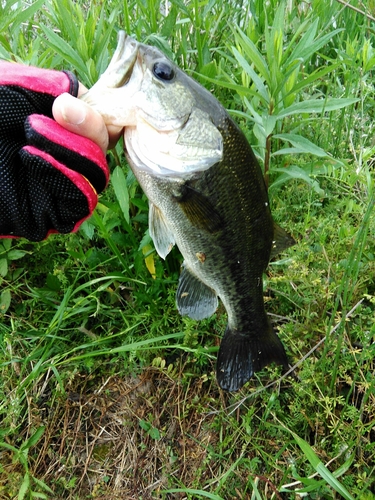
<point x="105" y="391"/>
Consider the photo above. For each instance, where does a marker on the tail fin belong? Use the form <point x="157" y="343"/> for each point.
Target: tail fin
<point x="241" y="355"/>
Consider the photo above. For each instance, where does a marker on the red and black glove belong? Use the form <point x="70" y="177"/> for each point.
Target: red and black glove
<point x="49" y="177"/>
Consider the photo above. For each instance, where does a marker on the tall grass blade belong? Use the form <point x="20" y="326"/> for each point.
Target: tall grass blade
<point x="316" y="106"/>
<point x="121" y="191"/>
<point x="198" y="493"/>
<point x="33" y="439"/>
<point x="134" y="346"/>
<point x="254" y="55"/>
<point x="17" y="16"/>
<point x="348" y="282"/>
<point x="24" y="488"/>
<point x="257" y="81"/>
<point x="64" y="49"/>
<point x="303" y="144"/>
<point x="320" y="467"/>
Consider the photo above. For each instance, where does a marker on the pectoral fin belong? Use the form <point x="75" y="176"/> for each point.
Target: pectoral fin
<point x="194" y="298"/>
<point x="199" y="209"/>
<point x="160" y="232"/>
<point x="281" y="240"/>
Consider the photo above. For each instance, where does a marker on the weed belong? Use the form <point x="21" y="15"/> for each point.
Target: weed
<point x="105" y="390"/>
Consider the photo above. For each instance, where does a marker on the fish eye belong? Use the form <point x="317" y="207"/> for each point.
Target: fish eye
<point x="163" y="71"/>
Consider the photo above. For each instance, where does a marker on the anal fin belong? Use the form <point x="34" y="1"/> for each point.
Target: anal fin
<point x="194" y="298"/>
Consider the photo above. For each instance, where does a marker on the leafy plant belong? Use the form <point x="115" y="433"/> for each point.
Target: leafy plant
<point x="273" y="83"/>
<point x="30" y="487"/>
<point x="7" y="256"/>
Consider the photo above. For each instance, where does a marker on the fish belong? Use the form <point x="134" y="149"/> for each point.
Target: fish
<point x="206" y="195"/>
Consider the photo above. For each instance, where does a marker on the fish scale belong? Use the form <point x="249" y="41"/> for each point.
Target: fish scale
<point x="207" y="195"/>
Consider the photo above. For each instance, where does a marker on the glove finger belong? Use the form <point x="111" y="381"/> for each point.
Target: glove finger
<point x="55" y="198"/>
<point x="42" y="81"/>
<point x="76" y="152"/>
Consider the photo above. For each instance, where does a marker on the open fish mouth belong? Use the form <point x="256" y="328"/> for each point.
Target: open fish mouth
<point x="114" y="90"/>
<point x="122" y="63"/>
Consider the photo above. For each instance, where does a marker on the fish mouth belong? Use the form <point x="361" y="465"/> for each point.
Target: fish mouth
<point x="112" y="95"/>
<point x="122" y="63"/>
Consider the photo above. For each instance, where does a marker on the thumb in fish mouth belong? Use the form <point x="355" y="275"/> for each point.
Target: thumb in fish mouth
<point x="80" y="118"/>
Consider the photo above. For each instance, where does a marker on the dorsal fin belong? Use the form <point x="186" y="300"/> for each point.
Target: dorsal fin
<point x="281" y="240"/>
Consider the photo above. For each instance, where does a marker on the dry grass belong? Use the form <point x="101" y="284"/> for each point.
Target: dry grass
<point x="130" y="438"/>
<point x="118" y="438"/>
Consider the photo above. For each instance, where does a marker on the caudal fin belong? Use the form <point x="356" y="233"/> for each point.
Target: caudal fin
<point x="241" y="355"/>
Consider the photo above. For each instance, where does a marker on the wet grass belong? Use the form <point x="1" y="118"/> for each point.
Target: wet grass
<point x="106" y="392"/>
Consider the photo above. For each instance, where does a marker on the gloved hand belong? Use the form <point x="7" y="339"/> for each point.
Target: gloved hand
<point x="49" y="177"/>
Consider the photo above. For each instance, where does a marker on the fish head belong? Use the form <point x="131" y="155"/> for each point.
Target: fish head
<point x="168" y="127"/>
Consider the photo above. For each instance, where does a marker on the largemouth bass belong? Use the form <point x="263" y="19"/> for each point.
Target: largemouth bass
<point x="207" y="195"/>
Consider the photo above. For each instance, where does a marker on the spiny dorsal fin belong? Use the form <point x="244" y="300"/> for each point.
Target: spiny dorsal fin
<point x="194" y="298"/>
<point x="281" y="240"/>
